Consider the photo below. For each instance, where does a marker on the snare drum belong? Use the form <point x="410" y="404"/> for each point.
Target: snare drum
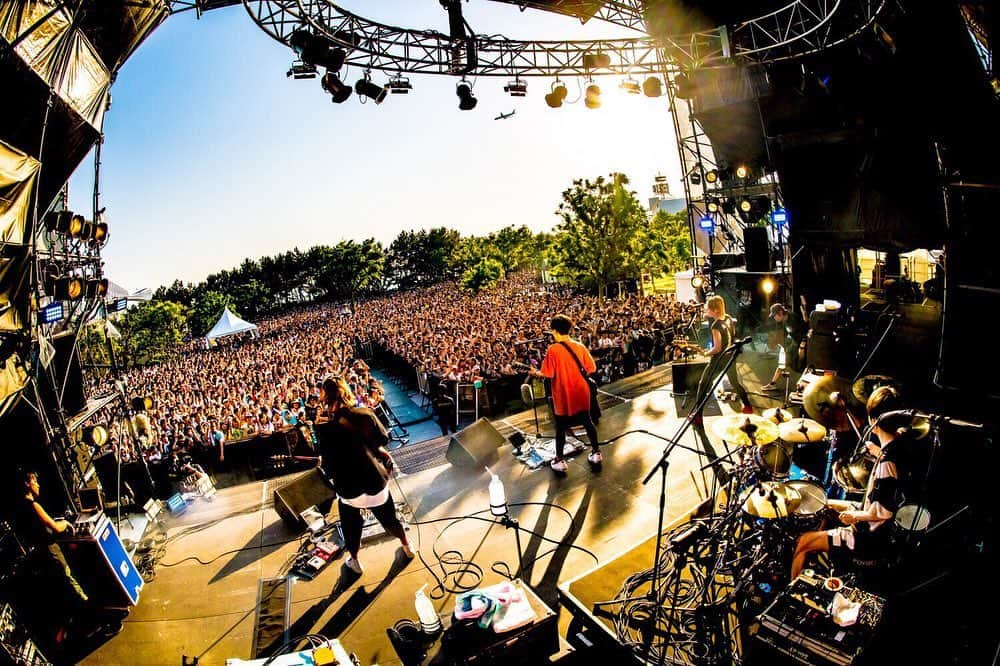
<point x="772" y="461"/>
<point x="808" y="514"/>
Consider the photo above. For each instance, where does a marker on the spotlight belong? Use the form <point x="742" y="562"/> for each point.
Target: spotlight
<point x="555" y="98"/>
<point x="339" y="92"/>
<point x="768" y="285"/>
<point x="95" y="435"/>
<point x="745" y="205"/>
<point x="631" y="86"/>
<point x="742" y="172"/>
<point x="97" y="288"/>
<point x="467" y="101"/>
<point x="683" y="88"/>
<point x="712" y="176"/>
<point x="58" y="221"/>
<point x="516" y="88"/>
<point x="400" y="85"/>
<point x="596" y="60"/>
<point x="100" y="233"/>
<point x="779" y="217"/>
<point x="707" y="223"/>
<point x="697" y="281"/>
<point x="301" y="70"/>
<point x="760" y="207"/>
<point x="593" y="96"/>
<point x="729" y="206"/>
<point x="652" y="87"/>
<point x="317" y="51"/>
<point x="370" y="90"/>
<point x="65" y="288"/>
<point x="712" y="205"/>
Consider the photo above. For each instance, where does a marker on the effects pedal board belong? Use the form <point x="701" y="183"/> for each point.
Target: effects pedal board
<point x="316" y="560"/>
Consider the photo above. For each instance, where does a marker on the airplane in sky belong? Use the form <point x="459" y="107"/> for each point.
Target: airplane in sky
<point x="505" y="116"/>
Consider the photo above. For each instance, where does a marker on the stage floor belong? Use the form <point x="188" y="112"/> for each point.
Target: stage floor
<point x="203" y="599"/>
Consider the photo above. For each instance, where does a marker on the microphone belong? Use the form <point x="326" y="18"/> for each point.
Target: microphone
<point x="527" y="394"/>
<point x="738" y="344"/>
<point x="933" y="418"/>
<point x="528" y="342"/>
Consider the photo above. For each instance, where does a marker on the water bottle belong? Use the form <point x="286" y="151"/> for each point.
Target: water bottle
<point x="498" y="499"/>
<point x="429" y="620"/>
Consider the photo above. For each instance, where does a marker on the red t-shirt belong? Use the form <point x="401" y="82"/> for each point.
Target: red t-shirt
<point x="570" y="391"/>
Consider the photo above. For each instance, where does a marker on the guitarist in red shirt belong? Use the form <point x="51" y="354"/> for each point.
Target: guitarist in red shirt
<point x="568" y="363"/>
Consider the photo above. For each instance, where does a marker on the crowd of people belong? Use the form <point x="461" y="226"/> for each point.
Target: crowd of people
<point x="202" y="398"/>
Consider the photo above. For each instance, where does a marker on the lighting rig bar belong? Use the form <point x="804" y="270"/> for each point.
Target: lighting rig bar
<point x="627" y="14"/>
<point x="799" y="28"/>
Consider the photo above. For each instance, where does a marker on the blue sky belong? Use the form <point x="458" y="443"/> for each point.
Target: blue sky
<point x="212" y="155"/>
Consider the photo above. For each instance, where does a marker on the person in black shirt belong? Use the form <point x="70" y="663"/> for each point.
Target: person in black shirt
<point x="38" y="530"/>
<point x="788" y="335"/>
<point x="353" y="456"/>
<point x="444" y="410"/>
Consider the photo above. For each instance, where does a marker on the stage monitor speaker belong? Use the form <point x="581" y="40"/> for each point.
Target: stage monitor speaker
<point x="64" y="377"/>
<point x="475" y="446"/>
<point x="305" y="491"/>
<point x="686" y="375"/>
<point x="757" y="249"/>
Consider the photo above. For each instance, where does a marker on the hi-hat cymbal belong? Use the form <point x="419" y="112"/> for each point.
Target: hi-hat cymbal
<point x="865" y="386"/>
<point x="778" y="415"/>
<point x="801" y="431"/>
<point x="745" y="429"/>
<point x="770" y="500"/>
<point x="830" y="400"/>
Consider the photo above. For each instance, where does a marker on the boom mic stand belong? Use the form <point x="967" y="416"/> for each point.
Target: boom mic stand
<point x="662" y="465"/>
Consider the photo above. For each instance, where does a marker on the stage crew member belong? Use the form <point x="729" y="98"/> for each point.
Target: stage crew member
<point x="351" y="444"/>
<point x="566" y="363"/>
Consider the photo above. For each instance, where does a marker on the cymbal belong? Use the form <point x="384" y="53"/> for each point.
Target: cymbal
<point x="738" y="428"/>
<point x="813" y="497"/>
<point x="865" y="386"/>
<point x="770" y="500"/>
<point x="830" y="400"/>
<point x="801" y="431"/>
<point x="777" y="414"/>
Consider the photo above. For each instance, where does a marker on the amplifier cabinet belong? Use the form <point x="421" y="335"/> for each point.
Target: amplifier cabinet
<point x="102" y="565"/>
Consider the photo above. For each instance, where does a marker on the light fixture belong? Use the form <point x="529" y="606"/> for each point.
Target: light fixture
<point x="712" y="205"/>
<point x="516" y="88"/>
<point x="95" y="435"/>
<point x="596" y="60"/>
<point x="467" y="101"/>
<point x="65" y="287"/>
<point x="683" y="88"/>
<point x="339" y="91"/>
<point x="742" y="171"/>
<point x="557" y="95"/>
<point x="301" y="70"/>
<point x="97" y="288"/>
<point x="631" y="86"/>
<point x="707" y="223"/>
<point x="768" y="285"/>
<point x="368" y="89"/>
<point x="698" y="281"/>
<point x="593" y="96"/>
<point x="712" y="176"/>
<point x="729" y="206"/>
<point x="745" y="205"/>
<point x="317" y="50"/>
<point x="58" y="221"/>
<point x="400" y="85"/>
<point x="779" y="217"/>
<point x="100" y="233"/>
<point x="694" y="177"/>
<point x="652" y="87"/>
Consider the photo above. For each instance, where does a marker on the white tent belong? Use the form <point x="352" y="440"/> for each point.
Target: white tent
<point x="229" y="324"/>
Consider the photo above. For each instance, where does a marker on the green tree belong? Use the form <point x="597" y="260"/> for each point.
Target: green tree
<point x="595" y="243"/>
<point x="421" y="258"/>
<point x="150" y="331"/>
<point x="485" y="273"/>
<point x="665" y="247"/>
<point x="207" y="310"/>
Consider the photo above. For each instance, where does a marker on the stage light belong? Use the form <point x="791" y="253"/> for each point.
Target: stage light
<point x="712" y="176"/>
<point x="301" y="70"/>
<point x="97" y="288"/>
<point x="65" y="288"/>
<point x="779" y="217"/>
<point x="697" y="281"/>
<point x="683" y="88"/>
<point x="596" y="60"/>
<point x="557" y="95"/>
<point x="516" y="88"/>
<point x="707" y="223"/>
<point x="339" y="92"/>
<point x="631" y="86"/>
<point x="95" y="435"/>
<point x="745" y="205"/>
<point x="467" y="101"/>
<point x="100" y="233"/>
<point x="768" y="285"/>
<point x="695" y="177"/>
<point x="317" y="50"/>
<point x="592" y="99"/>
<point x="374" y="92"/>
<point x="729" y="206"/>
<point x="652" y="87"/>
<point x="58" y="221"/>
<point x="742" y="171"/>
<point x="712" y="205"/>
<point x="400" y="85"/>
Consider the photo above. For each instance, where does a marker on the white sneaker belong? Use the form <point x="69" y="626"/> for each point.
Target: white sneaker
<point x="558" y="466"/>
<point x="354" y="565"/>
<point x="595" y="458"/>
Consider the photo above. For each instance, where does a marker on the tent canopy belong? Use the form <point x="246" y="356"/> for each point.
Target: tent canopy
<point x="229" y="324"/>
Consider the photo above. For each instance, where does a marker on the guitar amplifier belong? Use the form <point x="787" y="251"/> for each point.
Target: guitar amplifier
<point x="799" y="625"/>
<point x="686" y="375"/>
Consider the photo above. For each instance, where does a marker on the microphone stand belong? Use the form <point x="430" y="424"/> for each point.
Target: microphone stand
<point x="662" y="465"/>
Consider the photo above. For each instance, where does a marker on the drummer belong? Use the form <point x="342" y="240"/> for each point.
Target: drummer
<point x="865" y="536"/>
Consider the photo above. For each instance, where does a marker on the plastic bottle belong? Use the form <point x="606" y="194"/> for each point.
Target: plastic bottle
<point x="498" y="498"/>
<point x="429" y="620"/>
